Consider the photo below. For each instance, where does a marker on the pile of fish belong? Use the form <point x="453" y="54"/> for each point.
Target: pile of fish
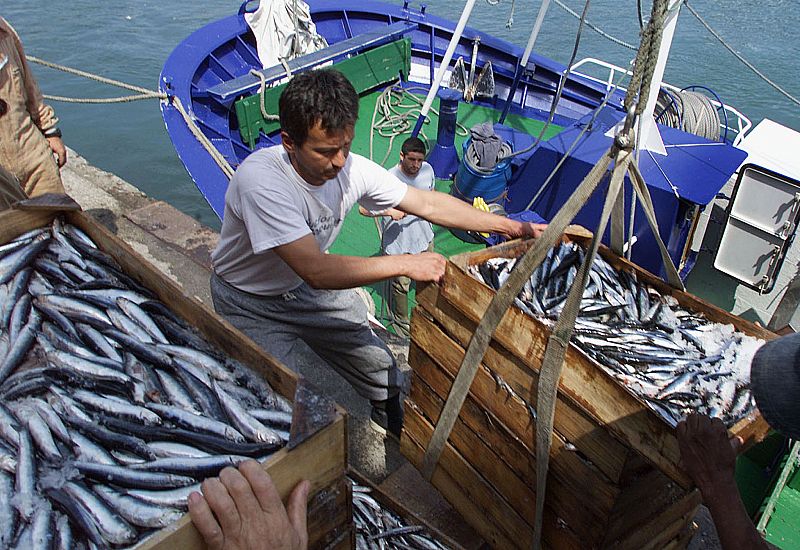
<point x="112" y="409"/>
<point x="378" y="528"/>
<point x="675" y="360"/>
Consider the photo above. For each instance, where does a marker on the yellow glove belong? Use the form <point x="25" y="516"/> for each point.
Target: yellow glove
<point x="480" y="204"/>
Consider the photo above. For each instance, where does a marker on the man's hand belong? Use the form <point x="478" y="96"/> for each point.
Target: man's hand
<point x="424" y="267"/>
<point x="525" y="229"/>
<point x="707" y="455"/>
<point x="395" y="214"/>
<point x="241" y="510"/>
<point x="58" y="148"/>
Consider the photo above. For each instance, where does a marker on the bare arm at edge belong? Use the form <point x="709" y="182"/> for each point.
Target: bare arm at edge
<point x="448" y="211"/>
<point x="332" y="271"/>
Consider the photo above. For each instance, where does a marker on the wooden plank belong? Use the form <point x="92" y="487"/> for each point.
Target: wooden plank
<point x="399" y="508"/>
<point x="329" y="514"/>
<point x="662" y="527"/>
<point x="573" y="472"/>
<point x="14" y="223"/>
<point x="591" y="439"/>
<point x="517" y="485"/>
<point x="321" y="459"/>
<point x="476" y="500"/>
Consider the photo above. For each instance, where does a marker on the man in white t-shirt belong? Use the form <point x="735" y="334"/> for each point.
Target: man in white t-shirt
<point x="284" y="208"/>
<point x="406" y="234"/>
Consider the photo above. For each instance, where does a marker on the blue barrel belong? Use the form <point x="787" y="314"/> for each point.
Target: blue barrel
<point x="490" y="185"/>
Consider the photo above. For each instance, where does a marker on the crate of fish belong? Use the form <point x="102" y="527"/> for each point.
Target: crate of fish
<point x="119" y="395"/>
<point x="382" y="521"/>
<point x="642" y="355"/>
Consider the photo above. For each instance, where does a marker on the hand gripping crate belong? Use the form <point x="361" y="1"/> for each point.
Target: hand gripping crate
<point x="613" y="480"/>
<point x="321" y="457"/>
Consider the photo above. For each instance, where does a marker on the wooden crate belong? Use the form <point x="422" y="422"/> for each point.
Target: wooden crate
<point x="321" y="458"/>
<point x="614" y="479"/>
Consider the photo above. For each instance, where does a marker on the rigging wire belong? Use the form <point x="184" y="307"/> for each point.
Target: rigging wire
<point x="560" y="89"/>
<point x="738" y="56"/>
<point x="595" y="28"/>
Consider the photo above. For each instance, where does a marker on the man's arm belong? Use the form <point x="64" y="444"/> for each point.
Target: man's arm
<point x="710" y="460"/>
<point x="333" y="271"/>
<point x="393" y="213"/>
<point x="443" y="209"/>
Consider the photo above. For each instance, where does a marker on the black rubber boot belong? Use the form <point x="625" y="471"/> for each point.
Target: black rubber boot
<point x="387" y="416"/>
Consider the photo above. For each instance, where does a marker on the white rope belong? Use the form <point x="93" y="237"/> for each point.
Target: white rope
<point x="264" y="114"/>
<point x="144" y="93"/>
<point x="396" y="111"/>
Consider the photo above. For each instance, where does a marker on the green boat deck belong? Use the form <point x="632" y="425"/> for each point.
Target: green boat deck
<point x="359" y="235"/>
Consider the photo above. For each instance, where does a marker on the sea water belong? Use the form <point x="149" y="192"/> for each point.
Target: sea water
<point x="129" y="40"/>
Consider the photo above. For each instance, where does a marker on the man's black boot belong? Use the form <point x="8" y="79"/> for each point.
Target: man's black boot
<point x="387" y="416"/>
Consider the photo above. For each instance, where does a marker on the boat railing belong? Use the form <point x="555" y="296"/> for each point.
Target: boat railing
<point x="737" y="123"/>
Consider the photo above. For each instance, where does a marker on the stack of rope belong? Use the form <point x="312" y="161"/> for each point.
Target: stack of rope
<point x="689" y="111"/>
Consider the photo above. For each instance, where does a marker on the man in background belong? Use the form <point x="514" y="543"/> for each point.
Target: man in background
<point x="29" y="135"/>
<point x="407" y="234"/>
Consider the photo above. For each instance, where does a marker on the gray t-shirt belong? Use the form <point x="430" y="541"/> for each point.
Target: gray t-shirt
<point x="268" y="204"/>
<point x="409" y="235"/>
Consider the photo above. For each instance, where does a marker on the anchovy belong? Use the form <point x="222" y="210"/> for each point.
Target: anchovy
<point x="137" y="314"/>
<point x="89" y="450"/>
<point x="199" y="467"/>
<point x="95" y="339"/>
<point x="196" y="422"/>
<point x="19" y="348"/>
<point x="171" y="449"/>
<point x="138" y="512"/>
<point x="112" y="528"/>
<point x="111" y="439"/>
<point x="16" y="261"/>
<point x="116" y="407"/>
<point x="41" y="532"/>
<point x="249" y="426"/>
<point x="7" y="513"/>
<point x="175" y="498"/>
<point x="64" y="537"/>
<point x="77" y="512"/>
<point x="25" y="487"/>
<point x="128" y="477"/>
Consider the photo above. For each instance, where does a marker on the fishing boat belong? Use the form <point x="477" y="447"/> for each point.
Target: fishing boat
<point x="725" y="191"/>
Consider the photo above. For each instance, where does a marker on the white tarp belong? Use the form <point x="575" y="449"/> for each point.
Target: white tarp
<point x="283" y="31"/>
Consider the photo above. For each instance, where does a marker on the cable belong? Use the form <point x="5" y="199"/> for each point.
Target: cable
<point x="595" y="28"/>
<point x="749" y="65"/>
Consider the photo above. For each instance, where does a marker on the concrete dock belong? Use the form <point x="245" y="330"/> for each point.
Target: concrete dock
<point x="180" y="247"/>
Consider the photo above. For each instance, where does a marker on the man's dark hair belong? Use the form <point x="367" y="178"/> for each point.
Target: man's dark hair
<point x="414" y="145"/>
<point x="323" y="96"/>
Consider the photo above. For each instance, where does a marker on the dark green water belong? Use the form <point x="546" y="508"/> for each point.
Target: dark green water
<point x="129" y="40"/>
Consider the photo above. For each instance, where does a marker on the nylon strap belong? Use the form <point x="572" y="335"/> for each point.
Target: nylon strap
<point x="618" y="212"/>
<point x="498" y="307"/>
<point x="557" y="344"/>
<point x="643" y="193"/>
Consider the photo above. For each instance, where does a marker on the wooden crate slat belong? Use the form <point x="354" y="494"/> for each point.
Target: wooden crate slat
<point x="516" y="485"/>
<point x="603" y="450"/>
<point x="579" y="478"/>
<point x="479" y="503"/>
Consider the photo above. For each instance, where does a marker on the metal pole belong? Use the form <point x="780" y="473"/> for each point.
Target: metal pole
<point x="448" y="55"/>
<point x="525" y="56"/>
